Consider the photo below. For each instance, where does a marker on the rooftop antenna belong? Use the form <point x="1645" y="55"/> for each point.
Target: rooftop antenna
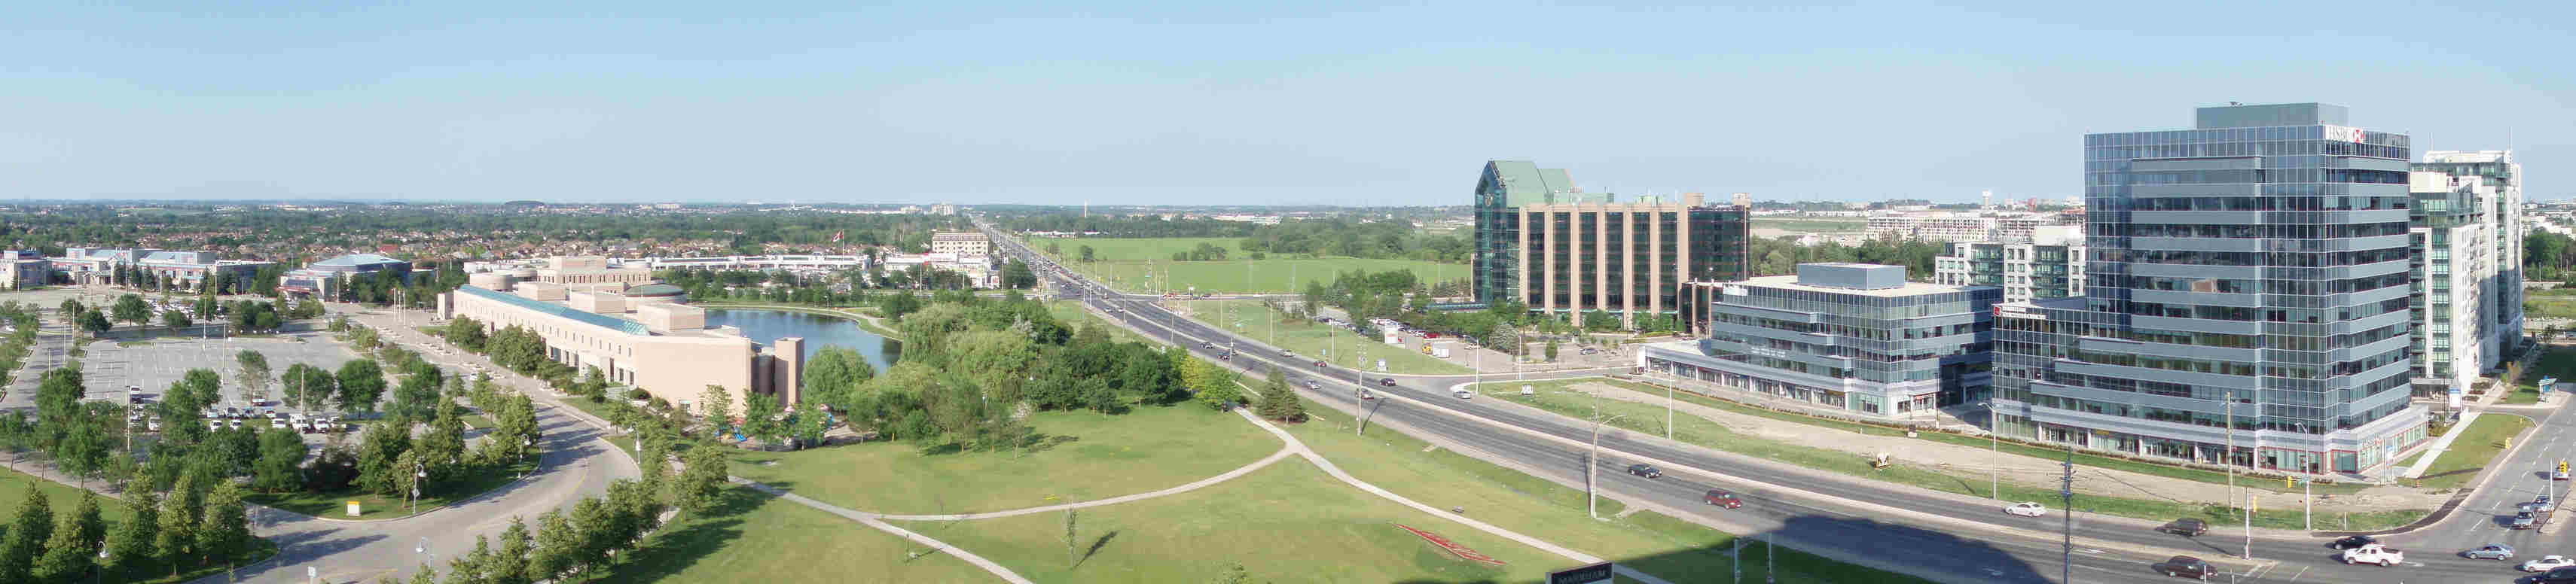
<point x="2234" y="103"/>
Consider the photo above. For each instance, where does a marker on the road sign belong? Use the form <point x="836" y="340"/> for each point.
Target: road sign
<point x="1592" y="574"/>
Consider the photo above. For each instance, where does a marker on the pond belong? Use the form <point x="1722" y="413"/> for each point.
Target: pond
<point x="763" y="326"/>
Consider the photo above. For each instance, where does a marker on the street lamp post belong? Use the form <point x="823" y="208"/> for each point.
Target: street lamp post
<point x="1592" y="469"/>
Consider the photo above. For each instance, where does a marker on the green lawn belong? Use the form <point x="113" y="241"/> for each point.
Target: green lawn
<point x="1082" y="456"/>
<point x="375" y="507"/>
<point x="62" y="498"/>
<point x="1651" y="542"/>
<point x="481" y="421"/>
<point x="2082" y="459"/>
<point x="2554" y="363"/>
<point x="2470" y="453"/>
<point x="1286" y="523"/>
<point x="1649" y="419"/>
<point x="1311" y="339"/>
<point x="751" y="537"/>
<point x="1121" y="262"/>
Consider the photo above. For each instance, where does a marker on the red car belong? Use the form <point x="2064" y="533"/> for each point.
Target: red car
<point x="1319" y="364"/>
<point x="1721" y="498"/>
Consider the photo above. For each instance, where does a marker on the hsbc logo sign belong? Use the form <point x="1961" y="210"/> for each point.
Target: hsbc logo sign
<point x="2343" y="134"/>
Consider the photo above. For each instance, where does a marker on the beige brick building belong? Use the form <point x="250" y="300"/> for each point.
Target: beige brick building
<point x="645" y="337"/>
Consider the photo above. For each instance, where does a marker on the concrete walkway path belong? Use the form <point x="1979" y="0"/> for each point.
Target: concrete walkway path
<point x="1291" y="447"/>
<point x="1336" y="472"/>
<point x="871" y="520"/>
<point x="1283" y="453"/>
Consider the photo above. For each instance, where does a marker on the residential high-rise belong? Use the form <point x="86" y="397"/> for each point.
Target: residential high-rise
<point x="1546" y="244"/>
<point x="2453" y="265"/>
<point x="2250" y="271"/>
<point x="2049" y="265"/>
<point x="2501" y="304"/>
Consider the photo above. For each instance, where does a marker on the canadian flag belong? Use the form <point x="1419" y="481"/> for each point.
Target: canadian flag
<point x="836" y="236"/>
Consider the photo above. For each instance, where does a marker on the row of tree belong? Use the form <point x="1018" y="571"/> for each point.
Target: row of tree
<point x="199" y="521"/>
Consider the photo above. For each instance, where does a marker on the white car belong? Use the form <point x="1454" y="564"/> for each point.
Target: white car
<point x="2026" y="509"/>
<point x="1463" y="394"/>
<point x="2546" y="563"/>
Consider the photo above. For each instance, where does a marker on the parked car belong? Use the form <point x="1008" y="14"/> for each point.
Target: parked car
<point x="2546" y="563"/>
<point x="1723" y="498"/>
<point x="2186" y="527"/>
<point x="2493" y="551"/>
<point x="2026" y="509"/>
<point x="2354" y="542"/>
<point x="1648" y="471"/>
<point x="152" y="425"/>
<point x="2185" y="566"/>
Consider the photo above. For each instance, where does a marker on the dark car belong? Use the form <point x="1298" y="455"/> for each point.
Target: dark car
<point x="1647" y="471"/>
<point x="2185" y="566"/>
<point x="2560" y="575"/>
<point x="1389" y="382"/>
<point x="2354" y="542"/>
<point x="2186" y="527"/>
<point x="1721" y="498"/>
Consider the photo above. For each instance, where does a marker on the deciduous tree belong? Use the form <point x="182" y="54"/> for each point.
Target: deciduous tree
<point x="361" y="383"/>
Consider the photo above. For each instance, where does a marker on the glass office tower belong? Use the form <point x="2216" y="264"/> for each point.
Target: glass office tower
<point x="2248" y="272"/>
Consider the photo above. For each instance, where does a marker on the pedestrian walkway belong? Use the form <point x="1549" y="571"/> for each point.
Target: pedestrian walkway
<point x="1290" y="447"/>
<point x="2027" y="471"/>
<point x="2494" y="393"/>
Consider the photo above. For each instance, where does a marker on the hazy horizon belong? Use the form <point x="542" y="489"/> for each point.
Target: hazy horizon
<point x="1170" y="105"/>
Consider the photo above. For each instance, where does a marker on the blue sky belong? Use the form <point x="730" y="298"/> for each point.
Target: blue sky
<point x="1202" y="102"/>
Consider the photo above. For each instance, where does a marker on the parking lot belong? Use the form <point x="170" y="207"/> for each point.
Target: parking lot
<point x="109" y="368"/>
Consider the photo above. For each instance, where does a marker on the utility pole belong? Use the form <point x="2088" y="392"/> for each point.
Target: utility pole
<point x="2066" y="500"/>
<point x="1994" y="450"/>
<point x="2249" y="526"/>
<point x="1592" y="468"/>
<point x="2229" y="459"/>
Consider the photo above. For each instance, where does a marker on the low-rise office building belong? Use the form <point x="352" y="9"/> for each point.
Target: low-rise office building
<point x="1851" y="337"/>
<point x="651" y="340"/>
<point x="25" y="268"/>
<point x="322" y="279"/>
<point x="94" y="265"/>
<point x="968" y="243"/>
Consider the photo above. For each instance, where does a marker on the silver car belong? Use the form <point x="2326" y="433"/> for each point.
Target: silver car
<point x="2493" y="551"/>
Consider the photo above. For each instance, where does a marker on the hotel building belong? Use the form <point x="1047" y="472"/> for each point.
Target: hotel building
<point x="1542" y="242"/>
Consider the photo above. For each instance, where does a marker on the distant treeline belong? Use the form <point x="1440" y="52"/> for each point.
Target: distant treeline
<point x="1378" y="239"/>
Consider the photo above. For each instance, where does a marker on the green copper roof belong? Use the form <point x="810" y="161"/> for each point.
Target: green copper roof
<point x="1521" y="182"/>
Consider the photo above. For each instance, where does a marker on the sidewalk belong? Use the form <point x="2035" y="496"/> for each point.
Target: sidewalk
<point x="2027" y="471"/>
<point x="2470" y="413"/>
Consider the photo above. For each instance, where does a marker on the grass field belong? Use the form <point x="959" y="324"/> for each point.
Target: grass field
<point x="2554" y="363"/>
<point x="1122" y="263"/>
<point x="1309" y="338"/>
<point x="2470" y="453"/>
<point x="62" y="499"/>
<point x="1286" y="523"/>
<point x="1081" y="456"/>
<point x="1651" y="542"/>
<point x="1649" y="419"/>
<point x="372" y="506"/>
<point x="751" y="537"/>
<point x="2097" y="461"/>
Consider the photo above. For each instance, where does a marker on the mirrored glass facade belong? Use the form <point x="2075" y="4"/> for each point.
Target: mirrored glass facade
<point x="2253" y="272"/>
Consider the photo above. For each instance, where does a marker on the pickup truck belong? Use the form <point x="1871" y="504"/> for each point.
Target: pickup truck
<point x="2374" y="554"/>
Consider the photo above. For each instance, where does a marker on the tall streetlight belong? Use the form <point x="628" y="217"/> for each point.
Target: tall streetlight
<point x="1592" y="469"/>
<point x="1994" y="449"/>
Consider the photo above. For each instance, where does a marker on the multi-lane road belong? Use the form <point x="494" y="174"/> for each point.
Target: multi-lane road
<point x="1938" y="535"/>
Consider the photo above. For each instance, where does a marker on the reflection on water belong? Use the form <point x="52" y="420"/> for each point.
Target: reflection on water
<point x="763" y="326"/>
